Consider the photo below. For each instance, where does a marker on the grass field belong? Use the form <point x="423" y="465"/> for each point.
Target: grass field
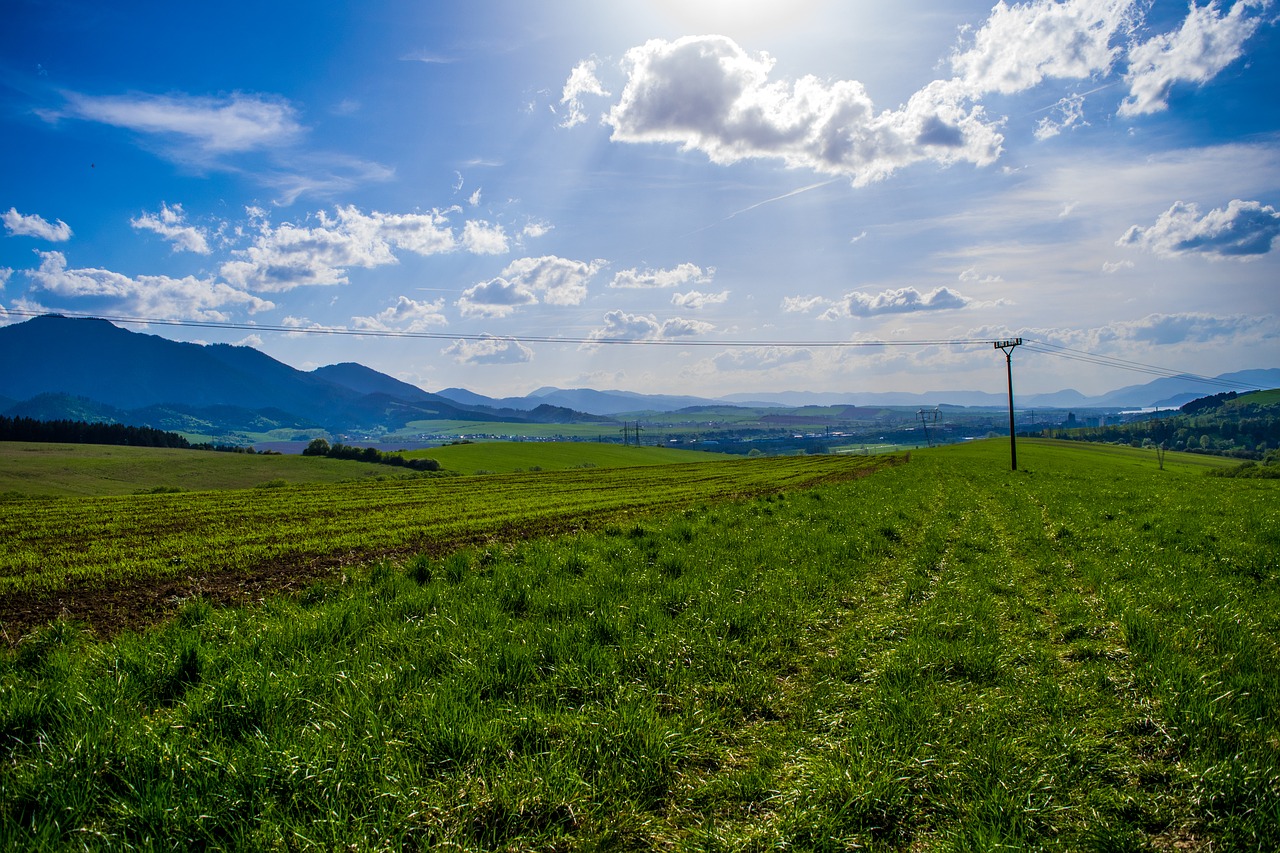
<point x="56" y="470"/>
<point x="945" y="655"/>
<point x="78" y="545"/>
<point x="508" y="457"/>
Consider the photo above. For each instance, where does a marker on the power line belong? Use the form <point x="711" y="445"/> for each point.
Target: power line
<point x="1041" y="347"/>
<point x="1059" y="351"/>
<point x="537" y="339"/>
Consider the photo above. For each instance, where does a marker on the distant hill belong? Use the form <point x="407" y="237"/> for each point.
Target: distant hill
<point x="93" y="370"/>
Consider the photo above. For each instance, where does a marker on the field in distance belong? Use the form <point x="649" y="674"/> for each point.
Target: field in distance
<point x="508" y="457"/>
<point x="29" y="469"/>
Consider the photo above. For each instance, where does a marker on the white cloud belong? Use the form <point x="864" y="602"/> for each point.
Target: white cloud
<point x="696" y="300"/>
<point x="535" y="229"/>
<point x="582" y="81"/>
<point x="1070" y="113"/>
<point x="804" y="304"/>
<point x="489" y="350"/>
<point x="528" y="281"/>
<point x="235" y="123"/>
<point x="621" y="326"/>
<point x="972" y="274"/>
<point x="1110" y="267"/>
<point x="706" y="93"/>
<point x="254" y="341"/>
<point x="762" y="358"/>
<point x="406" y="315"/>
<point x="6" y="273"/>
<point x="1207" y="42"/>
<point x="290" y="256"/>
<point x="496" y="298"/>
<point x="905" y="300"/>
<point x="1019" y="46"/>
<point x="474" y="198"/>
<point x="147" y="295"/>
<point x="680" y="275"/>
<point x="561" y="281"/>
<point x="1158" y="329"/>
<point x="33" y="225"/>
<point x="171" y="224"/>
<point x="1243" y="231"/>
<point x="484" y="238"/>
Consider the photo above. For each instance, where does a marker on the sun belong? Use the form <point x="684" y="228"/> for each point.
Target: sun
<point x="738" y="17"/>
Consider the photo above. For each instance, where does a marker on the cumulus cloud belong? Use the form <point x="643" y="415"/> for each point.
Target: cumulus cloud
<point x="171" y="224"/>
<point x="528" y="281"/>
<point x="484" y="238"/>
<point x="680" y="275"/>
<point x="696" y="300"/>
<point x="6" y="273"/>
<point x="489" y="350"/>
<point x="407" y="315"/>
<point x="582" y="81"/>
<point x="34" y="225"/>
<point x="1244" y="230"/>
<point x="706" y="93"/>
<point x="1208" y="41"/>
<point x="905" y="300"/>
<point x="234" y="123"/>
<point x="288" y="256"/>
<point x="144" y="296"/>
<point x="1020" y="45"/>
<point x="495" y="298"/>
<point x="621" y="326"/>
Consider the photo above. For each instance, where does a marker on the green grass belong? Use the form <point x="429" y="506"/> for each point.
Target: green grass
<point x="507" y="457"/>
<point x="54" y="470"/>
<point x="72" y="543"/>
<point x="1125" y="458"/>
<point x="1081" y="655"/>
<point x="497" y="428"/>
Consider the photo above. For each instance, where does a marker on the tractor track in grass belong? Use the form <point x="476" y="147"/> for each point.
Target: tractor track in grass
<point x="107" y="606"/>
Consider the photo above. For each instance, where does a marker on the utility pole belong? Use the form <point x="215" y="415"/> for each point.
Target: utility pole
<point x="1008" y="347"/>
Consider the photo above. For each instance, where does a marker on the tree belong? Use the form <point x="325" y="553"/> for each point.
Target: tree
<point x="317" y="447"/>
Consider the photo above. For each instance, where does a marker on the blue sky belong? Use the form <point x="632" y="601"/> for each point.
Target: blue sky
<point x="742" y="185"/>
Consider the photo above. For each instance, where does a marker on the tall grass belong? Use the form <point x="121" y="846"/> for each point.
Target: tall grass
<point x="943" y="656"/>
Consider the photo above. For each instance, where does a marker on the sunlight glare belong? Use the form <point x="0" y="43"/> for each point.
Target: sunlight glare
<point x="728" y="17"/>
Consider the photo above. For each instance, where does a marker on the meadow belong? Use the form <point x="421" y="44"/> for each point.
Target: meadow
<point x="943" y="655"/>
<point x="29" y="469"/>
<point x="511" y="457"/>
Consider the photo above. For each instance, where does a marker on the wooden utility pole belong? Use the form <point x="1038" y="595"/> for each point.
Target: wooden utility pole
<point x="1008" y="347"/>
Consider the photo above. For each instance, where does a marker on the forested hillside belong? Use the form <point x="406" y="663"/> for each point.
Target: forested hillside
<point x="1243" y="426"/>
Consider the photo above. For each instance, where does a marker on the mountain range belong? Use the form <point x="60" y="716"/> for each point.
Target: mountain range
<point x="89" y="369"/>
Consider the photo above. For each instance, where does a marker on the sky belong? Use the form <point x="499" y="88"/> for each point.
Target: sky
<point x="697" y="197"/>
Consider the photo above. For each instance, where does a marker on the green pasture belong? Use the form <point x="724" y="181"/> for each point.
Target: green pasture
<point x="463" y="429"/>
<point x="55" y="470"/>
<point x="72" y="543"/>
<point x="944" y="655"/>
<point x="507" y="457"/>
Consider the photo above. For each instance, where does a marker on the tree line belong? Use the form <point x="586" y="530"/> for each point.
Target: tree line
<point x="82" y="432"/>
<point x="320" y="447"/>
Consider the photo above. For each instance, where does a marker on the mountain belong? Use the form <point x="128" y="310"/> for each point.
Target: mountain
<point x="366" y="380"/>
<point x="94" y="369"/>
<point x="221" y="388"/>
